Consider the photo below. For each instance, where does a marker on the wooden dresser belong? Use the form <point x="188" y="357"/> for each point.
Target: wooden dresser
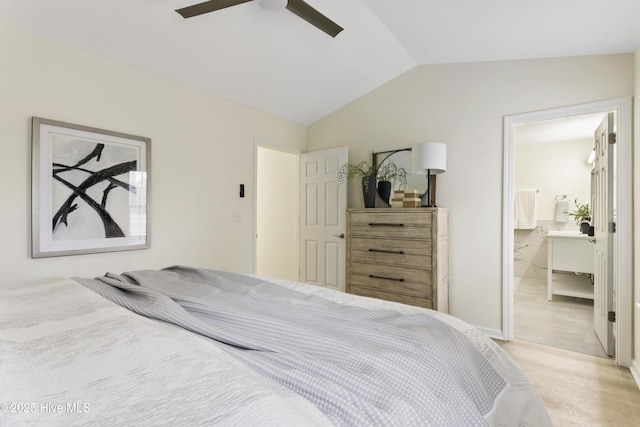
<point x="399" y="254"/>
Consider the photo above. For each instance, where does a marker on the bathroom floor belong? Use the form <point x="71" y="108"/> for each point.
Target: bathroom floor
<point x="565" y="322"/>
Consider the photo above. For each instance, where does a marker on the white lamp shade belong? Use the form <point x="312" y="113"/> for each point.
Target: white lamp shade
<point x="430" y="156"/>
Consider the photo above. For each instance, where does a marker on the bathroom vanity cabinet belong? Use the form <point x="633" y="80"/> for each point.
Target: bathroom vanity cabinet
<point x="571" y="252"/>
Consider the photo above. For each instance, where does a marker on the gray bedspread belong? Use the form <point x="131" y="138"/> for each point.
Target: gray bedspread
<point x="358" y="366"/>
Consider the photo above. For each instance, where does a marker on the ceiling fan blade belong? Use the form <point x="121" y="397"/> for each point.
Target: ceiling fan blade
<point x="208" y="6"/>
<point x="313" y="17"/>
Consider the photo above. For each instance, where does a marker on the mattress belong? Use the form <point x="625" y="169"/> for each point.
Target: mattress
<point x="68" y="356"/>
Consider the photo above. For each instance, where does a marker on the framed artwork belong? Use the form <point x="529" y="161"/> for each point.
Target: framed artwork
<point x="90" y="190"/>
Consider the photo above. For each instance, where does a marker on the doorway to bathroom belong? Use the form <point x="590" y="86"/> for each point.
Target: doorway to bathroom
<point x="565" y="321"/>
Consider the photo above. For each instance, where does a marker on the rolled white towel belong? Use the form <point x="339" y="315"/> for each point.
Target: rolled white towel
<point x="562" y="211"/>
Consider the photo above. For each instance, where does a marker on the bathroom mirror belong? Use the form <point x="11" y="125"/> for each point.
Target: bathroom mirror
<point x="402" y="158"/>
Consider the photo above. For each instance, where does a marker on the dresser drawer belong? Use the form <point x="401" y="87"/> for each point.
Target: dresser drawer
<point x="382" y="216"/>
<point x="405" y="299"/>
<point x="402" y="253"/>
<point x="391" y="272"/>
<point x="379" y="283"/>
<point x="390" y="231"/>
<point x="390" y="225"/>
<point x="407" y="247"/>
<point x="385" y="258"/>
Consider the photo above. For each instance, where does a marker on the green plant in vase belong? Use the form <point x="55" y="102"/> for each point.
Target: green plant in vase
<point x="363" y="170"/>
<point x="582" y="215"/>
<point x="366" y="172"/>
<point x="369" y="176"/>
<point x="393" y="173"/>
<point x="390" y="176"/>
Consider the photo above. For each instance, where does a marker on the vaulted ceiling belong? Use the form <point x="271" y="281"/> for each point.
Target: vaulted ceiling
<point x="278" y="63"/>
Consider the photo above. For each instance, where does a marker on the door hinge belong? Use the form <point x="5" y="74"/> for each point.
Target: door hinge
<point x="612" y="227"/>
<point x="612" y="138"/>
<point x="611" y="316"/>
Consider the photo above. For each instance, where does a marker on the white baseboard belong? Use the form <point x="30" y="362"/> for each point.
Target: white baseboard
<point x="635" y="362"/>
<point x="635" y="371"/>
<point x="492" y="333"/>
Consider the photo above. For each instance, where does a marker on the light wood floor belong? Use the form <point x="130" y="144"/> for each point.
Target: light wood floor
<point x="564" y="322"/>
<point x="556" y="347"/>
<point x="578" y="389"/>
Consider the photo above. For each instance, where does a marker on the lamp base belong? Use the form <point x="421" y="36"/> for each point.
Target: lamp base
<point x="425" y="199"/>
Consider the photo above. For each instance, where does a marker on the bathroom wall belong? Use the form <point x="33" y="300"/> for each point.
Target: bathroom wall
<point x="558" y="168"/>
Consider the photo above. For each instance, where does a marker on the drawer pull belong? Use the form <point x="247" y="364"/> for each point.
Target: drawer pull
<point x="385" y="224"/>
<point x="385" y="278"/>
<point x="386" y="251"/>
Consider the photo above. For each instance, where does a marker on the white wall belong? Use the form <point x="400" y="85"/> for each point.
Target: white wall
<point x="278" y="202"/>
<point x="464" y="105"/>
<point x="202" y="149"/>
<point x="553" y="169"/>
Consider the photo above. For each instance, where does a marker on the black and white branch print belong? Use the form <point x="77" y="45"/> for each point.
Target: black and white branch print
<point x="64" y="214"/>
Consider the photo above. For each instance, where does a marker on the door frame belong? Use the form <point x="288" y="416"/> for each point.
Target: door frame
<point x="624" y="199"/>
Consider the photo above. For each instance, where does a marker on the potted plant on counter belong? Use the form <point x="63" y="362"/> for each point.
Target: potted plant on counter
<point x="582" y="215"/>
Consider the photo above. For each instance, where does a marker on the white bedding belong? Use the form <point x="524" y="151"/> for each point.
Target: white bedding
<point x="70" y="357"/>
<point x="62" y="344"/>
<point x="519" y="406"/>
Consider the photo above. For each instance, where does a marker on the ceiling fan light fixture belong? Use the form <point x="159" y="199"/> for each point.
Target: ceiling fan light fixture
<point x="273" y="4"/>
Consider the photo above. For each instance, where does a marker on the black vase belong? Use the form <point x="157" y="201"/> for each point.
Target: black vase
<point x="384" y="190"/>
<point x="584" y="227"/>
<point x="369" y="191"/>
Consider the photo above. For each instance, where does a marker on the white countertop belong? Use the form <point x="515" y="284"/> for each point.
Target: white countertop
<point x="569" y="234"/>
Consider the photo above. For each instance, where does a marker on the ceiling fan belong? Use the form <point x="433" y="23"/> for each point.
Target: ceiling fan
<point x="299" y="7"/>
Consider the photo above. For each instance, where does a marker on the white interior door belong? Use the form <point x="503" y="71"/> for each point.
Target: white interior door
<point x="323" y="203"/>
<point x="603" y="210"/>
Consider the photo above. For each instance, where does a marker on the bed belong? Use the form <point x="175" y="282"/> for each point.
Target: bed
<point x="189" y="346"/>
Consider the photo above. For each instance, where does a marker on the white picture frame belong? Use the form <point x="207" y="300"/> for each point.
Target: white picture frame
<point x="90" y="190"/>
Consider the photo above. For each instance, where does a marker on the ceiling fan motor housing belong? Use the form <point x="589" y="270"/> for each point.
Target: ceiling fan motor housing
<point x="273" y="4"/>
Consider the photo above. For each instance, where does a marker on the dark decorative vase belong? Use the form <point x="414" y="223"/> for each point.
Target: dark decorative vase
<point x="384" y="190"/>
<point x="584" y="227"/>
<point x="369" y="191"/>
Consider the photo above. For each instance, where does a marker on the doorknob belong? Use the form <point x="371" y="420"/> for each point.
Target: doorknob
<point x="592" y="240"/>
<point x="341" y="235"/>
